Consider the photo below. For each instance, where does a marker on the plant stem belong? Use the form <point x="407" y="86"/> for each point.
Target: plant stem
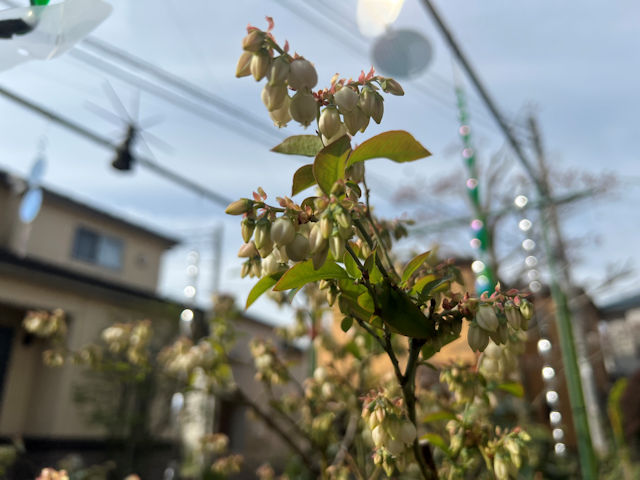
<point x="408" y="384"/>
<point x="286" y="438"/>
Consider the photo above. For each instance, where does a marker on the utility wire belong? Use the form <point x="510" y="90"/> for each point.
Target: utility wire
<point x="104" y="142"/>
<point x="172" y="98"/>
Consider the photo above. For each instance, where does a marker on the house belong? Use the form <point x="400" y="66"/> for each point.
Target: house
<point x="99" y="269"/>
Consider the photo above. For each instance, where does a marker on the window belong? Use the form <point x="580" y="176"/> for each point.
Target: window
<point x="92" y="247"/>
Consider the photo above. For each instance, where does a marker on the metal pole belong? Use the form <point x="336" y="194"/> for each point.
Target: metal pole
<point x="588" y="460"/>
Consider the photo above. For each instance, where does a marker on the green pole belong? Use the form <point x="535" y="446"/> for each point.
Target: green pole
<point x="485" y="277"/>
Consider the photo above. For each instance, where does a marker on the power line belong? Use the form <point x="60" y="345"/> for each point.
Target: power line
<point x="104" y="142"/>
<point x="169" y="96"/>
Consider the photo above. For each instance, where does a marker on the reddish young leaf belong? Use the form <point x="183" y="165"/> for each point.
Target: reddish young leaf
<point x="270" y="23"/>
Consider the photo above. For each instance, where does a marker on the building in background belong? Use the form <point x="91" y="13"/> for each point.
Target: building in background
<point x="99" y="269"/>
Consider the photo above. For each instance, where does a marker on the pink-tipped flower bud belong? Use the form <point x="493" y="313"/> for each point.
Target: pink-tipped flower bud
<point x="299" y="249"/>
<point x="281" y="116"/>
<point x="477" y="338"/>
<point x="239" y="207"/>
<point x="346" y="99"/>
<point x="303" y="107"/>
<point x="248" y="250"/>
<point x="282" y="231"/>
<point x="260" y="64"/>
<point x="279" y="71"/>
<point x="302" y="74"/>
<point x="389" y="85"/>
<point x="253" y="41"/>
<point x="329" y="122"/>
<point x="273" y="96"/>
<point x="487" y="318"/>
<point x="243" y="68"/>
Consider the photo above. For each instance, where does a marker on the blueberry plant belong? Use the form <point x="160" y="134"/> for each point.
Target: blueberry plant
<point x="332" y="242"/>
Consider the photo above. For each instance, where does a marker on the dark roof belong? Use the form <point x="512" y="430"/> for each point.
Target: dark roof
<point x="620" y="306"/>
<point x="8" y="180"/>
<point x="31" y="267"/>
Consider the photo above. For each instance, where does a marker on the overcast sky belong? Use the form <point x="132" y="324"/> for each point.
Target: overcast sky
<point x="574" y="63"/>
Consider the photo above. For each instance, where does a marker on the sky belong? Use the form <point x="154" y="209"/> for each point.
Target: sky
<point x="574" y="64"/>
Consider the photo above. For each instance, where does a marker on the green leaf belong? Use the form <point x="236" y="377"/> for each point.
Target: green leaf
<point x="414" y="264"/>
<point x="514" y="388"/>
<point x="302" y="273"/>
<point x="366" y="302"/>
<point x="349" y="306"/>
<point x="330" y="162"/>
<point x="437" y="441"/>
<point x="440" y="415"/>
<point x="264" y="284"/>
<point x="346" y="323"/>
<point x="306" y="145"/>
<point x="396" y="145"/>
<point x="303" y="179"/>
<point x="401" y="314"/>
<point x="351" y="266"/>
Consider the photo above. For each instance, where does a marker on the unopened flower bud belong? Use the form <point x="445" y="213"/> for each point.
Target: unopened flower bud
<point x="262" y="234"/>
<point x="299" y="249"/>
<point x="379" y="436"/>
<point x="243" y="68"/>
<point x="355" y="120"/>
<point x="487" y="318"/>
<point x="326" y="226"/>
<point x="248" y="250"/>
<point x="389" y="85"/>
<point x="342" y="131"/>
<point x="273" y="96"/>
<point x="279" y="71"/>
<point x="367" y="101"/>
<point x="513" y="315"/>
<point x="356" y="172"/>
<point x="253" y="41"/>
<point x="281" y="116"/>
<point x="269" y="265"/>
<point x="336" y="244"/>
<point x="239" y="207"/>
<point x="346" y="99"/>
<point x="501" y="335"/>
<point x="526" y="309"/>
<point x="395" y="446"/>
<point x="316" y="241"/>
<point x="407" y="433"/>
<point x="329" y="122"/>
<point x="343" y="218"/>
<point x="378" y="109"/>
<point x="345" y="233"/>
<point x="332" y="296"/>
<point x="303" y="107"/>
<point x="256" y="269"/>
<point x="248" y="225"/>
<point x="245" y="270"/>
<point x="282" y="231"/>
<point x="260" y="64"/>
<point x="477" y="338"/>
<point x="320" y="257"/>
<point x="500" y="467"/>
<point x="320" y="374"/>
<point x="302" y="74"/>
